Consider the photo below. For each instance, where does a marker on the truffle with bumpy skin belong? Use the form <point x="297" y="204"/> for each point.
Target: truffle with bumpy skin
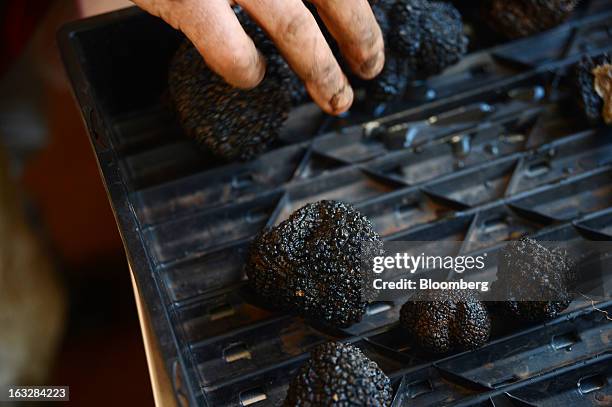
<point x="311" y="263"/>
<point x="589" y="100"/>
<point x="537" y="281"/>
<point x="423" y="38"/>
<point x="339" y="375"/>
<point x="520" y="18"/>
<point x="233" y="123"/>
<point x="441" y="321"/>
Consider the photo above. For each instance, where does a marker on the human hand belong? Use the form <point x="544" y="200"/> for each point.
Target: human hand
<point x="215" y="31"/>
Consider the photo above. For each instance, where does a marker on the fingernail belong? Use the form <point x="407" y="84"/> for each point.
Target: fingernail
<point x="372" y="67"/>
<point x="342" y="100"/>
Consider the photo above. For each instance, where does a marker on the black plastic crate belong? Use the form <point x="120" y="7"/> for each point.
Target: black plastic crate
<point x="487" y="152"/>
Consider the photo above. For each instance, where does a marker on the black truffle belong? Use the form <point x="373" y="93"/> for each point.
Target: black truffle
<point x="423" y="38"/>
<point x="337" y="375"/>
<point x="311" y="263"/>
<point x="233" y="123"/>
<point x="520" y="18"/>
<point x="446" y="320"/>
<point x="536" y="280"/>
<point x="589" y="100"/>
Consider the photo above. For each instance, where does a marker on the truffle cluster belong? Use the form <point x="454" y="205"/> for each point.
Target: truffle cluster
<point x="441" y="321"/>
<point x="536" y="280"/>
<point x="520" y="18"/>
<point x="339" y="375"/>
<point x="233" y="123"/>
<point x="422" y="38"/>
<point x="595" y="100"/>
<point x="311" y="263"/>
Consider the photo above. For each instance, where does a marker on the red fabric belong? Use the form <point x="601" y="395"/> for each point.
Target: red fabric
<point x="18" y="21"/>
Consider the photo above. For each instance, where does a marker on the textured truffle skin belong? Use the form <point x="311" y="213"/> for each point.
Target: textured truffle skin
<point x="423" y="38"/>
<point x="339" y="375"/>
<point x="528" y="270"/>
<point x="520" y="18"/>
<point x="441" y="321"/>
<point x="311" y="263"/>
<point x="233" y="123"/>
<point x="589" y="101"/>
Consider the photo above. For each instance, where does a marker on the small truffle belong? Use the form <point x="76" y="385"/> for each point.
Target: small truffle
<point x="339" y="375"/>
<point x="311" y="263"/>
<point x="441" y="321"/>
<point x="423" y="38"/>
<point x="521" y="18"/>
<point x="537" y="281"/>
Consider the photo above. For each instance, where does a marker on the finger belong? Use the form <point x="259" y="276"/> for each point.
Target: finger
<point x="299" y="39"/>
<point x="213" y="28"/>
<point x="353" y="25"/>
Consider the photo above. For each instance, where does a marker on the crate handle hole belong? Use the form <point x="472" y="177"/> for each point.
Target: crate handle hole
<point x="235" y="352"/>
<point x="378" y="306"/>
<point x="564" y="341"/>
<point x="590" y="384"/>
<point x="242" y="181"/>
<point x="538" y="169"/>
<point x="406" y="209"/>
<point x="221" y="311"/>
<point x="256" y="215"/>
<point x="495" y="224"/>
<point x="252" y="396"/>
<point x="416" y="389"/>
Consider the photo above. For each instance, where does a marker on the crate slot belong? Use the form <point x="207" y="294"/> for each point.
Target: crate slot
<point x="571" y="198"/>
<point x="428" y="387"/>
<point x="529" y="354"/>
<point x="247" y="350"/>
<point x="216" y="187"/>
<point x="565" y="158"/>
<point x="496" y="225"/>
<point x="600" y="222"/>
<point x="200" y="275"/>
<point x="349" y="146"/>
<point x="583" y="384"/>
<point x="219" y="313"/>
<point x="478" y="186"/>
<point x="402" y="210"/>
<point x="434" y="161"/>
<point x="349" y="185"/>
<point x="199" y="234"/>
<point x="318" y="164"/>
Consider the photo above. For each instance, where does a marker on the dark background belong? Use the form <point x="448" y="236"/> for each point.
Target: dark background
<point x="101" y="356"/>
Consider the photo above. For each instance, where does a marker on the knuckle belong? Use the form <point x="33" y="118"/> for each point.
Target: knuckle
<point x="239" y="68"/>
<point x="293" y="25"/>
<point x="369" y="58"/>
<point x="326" y="76"/>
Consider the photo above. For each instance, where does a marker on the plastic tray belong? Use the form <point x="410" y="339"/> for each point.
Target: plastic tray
<point x="489" y="151"/>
